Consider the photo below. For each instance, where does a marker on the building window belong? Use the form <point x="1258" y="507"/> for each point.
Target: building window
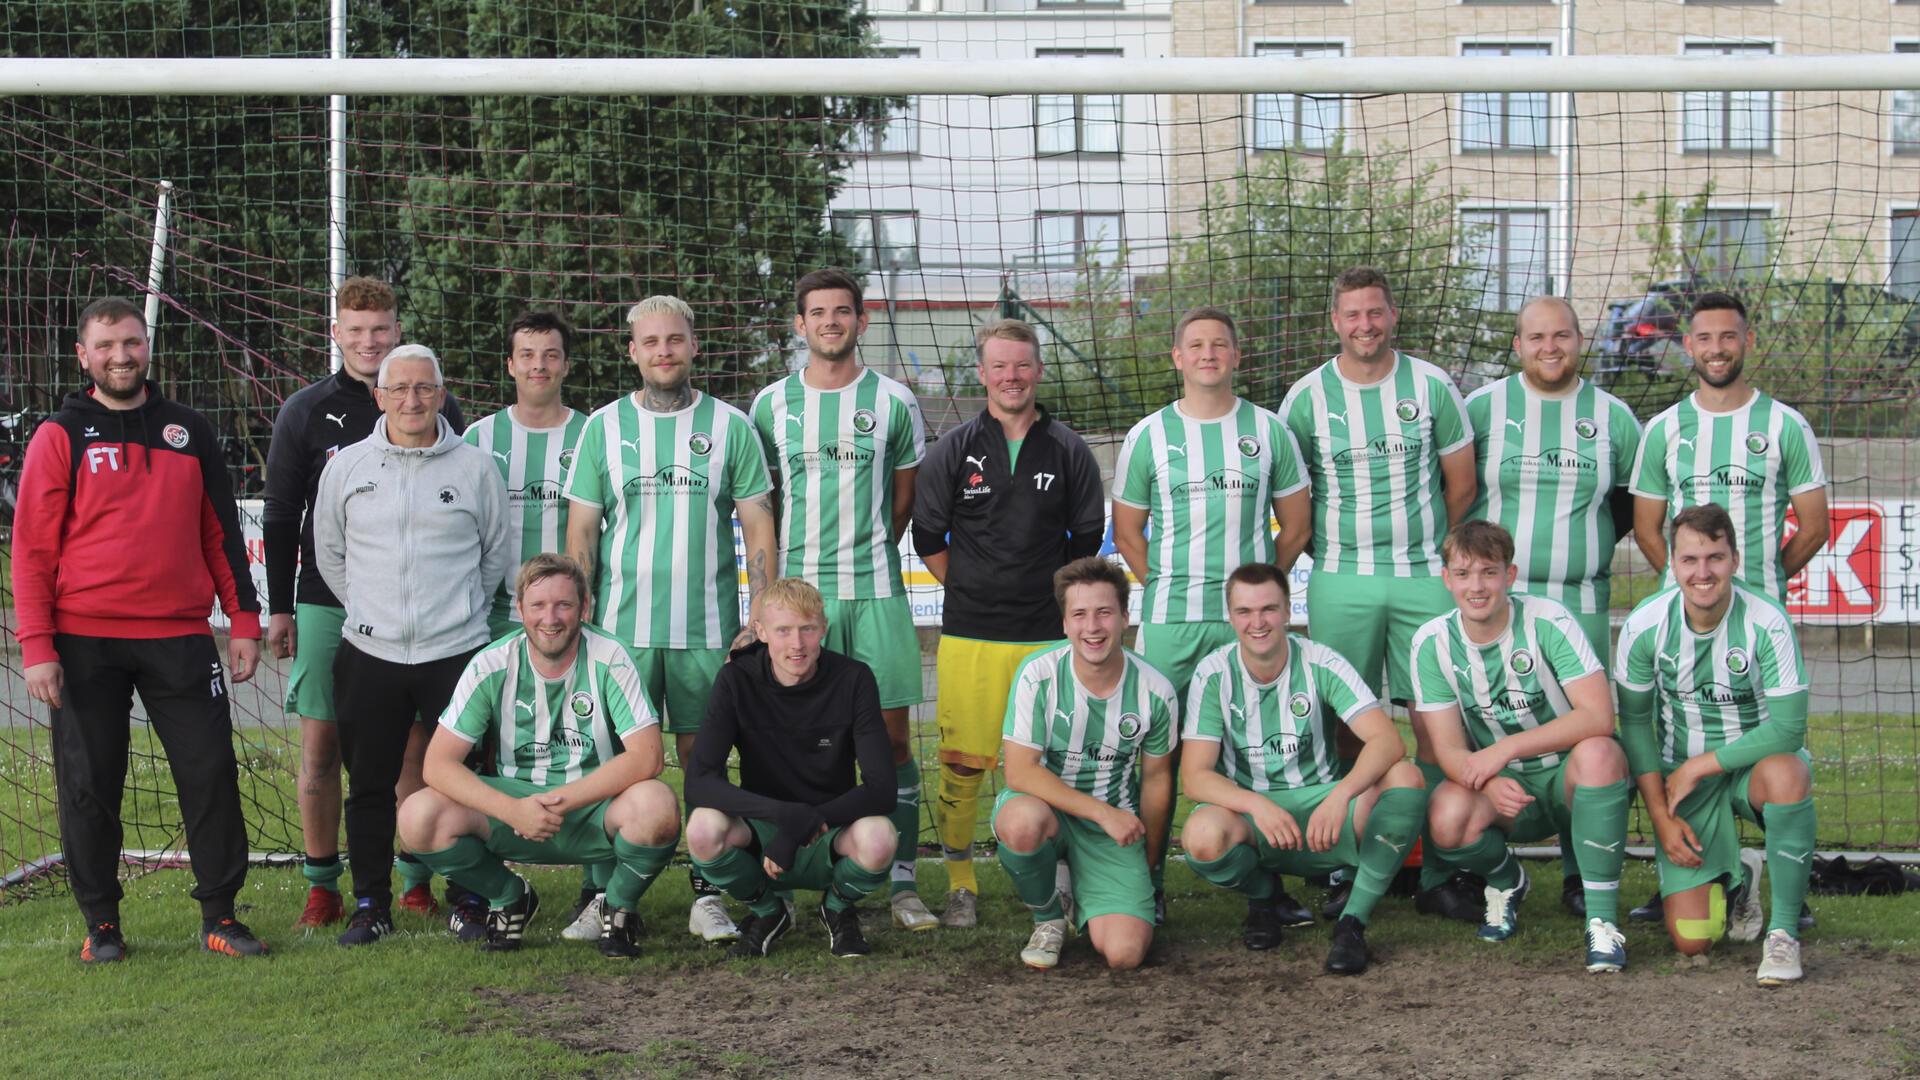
<point x="1504" y="121"/>
<point x="1906" y="111"/>
<point x="882" y="239"/>
<point x="899" y="132"/>
<point x="1729" y="244"/>
<point x="1076" y="123"/>
<point x="1732" y="120"/>
<point x="1295" y="121"/>
<point x="1075" y="238"/>
<point x="1508" y="252"/>
<point x="1903" y="277"/>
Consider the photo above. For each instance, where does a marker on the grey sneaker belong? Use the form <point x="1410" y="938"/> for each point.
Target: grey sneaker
<point x="586" y="924"/>
<point x="1745" y="920"/>
<point x="962" y="910"/>
<point x="1043" y="948"/>
<point x="1780" y="962"/>
<point x="910" y="913"/>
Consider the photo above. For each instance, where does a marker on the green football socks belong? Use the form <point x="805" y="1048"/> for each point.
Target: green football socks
<point x="1790" y="839"/>
<point x="1599" y="833"/>
<point x="1032" y="874"/>
<point x="637" y="865"/>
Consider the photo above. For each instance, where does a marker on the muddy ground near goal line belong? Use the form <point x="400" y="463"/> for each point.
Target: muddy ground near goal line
<point x="1207" y="1012"/>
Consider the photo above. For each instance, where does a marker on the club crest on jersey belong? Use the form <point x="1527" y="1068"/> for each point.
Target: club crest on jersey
<point x="1521" y="662"/>
<point x="175" y="435"/>
<point x="1249" y="446"/>
<point x="566" y="459"/>
<point x="700" y="443"/>
<point x="864" y="422"/>
<point x="1129" y="725"/>
<point x="1586" y="428"/>
<point x="581" y="703"/>
<point x="447" y="495"/>
<point x="1757" y="442"/>
<point x="1737" y="661"/>
<point x="1407" y="409"/>
<point x="1299" y="705"/>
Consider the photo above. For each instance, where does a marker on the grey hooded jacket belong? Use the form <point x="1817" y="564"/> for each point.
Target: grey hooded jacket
<point x="413" y="542"/>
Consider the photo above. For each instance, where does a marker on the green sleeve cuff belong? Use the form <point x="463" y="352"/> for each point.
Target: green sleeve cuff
<point x="1636" y="731"/>
<point x="1785" y="732"/>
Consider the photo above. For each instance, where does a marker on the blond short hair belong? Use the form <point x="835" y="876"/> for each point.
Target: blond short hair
<point x="661" y="305"/>
<point x="796" y="595"/>
<point x="1005" y="330"/>
<point x="550" y="564"/>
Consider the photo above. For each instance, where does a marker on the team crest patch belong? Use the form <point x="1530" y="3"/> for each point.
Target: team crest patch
<point x="1737" y="661"/>
<point x="581" y="703"/>
<point x="175" y="435"/>
<point x="566" y="459"/>
<point x="1586" y="428"/>
<point x="1521" y="662"/>
<point x="1407" y="409"/>
<point x="1249" y="446"/>
<point x="1299" y="705"/>
<point x="1129" y="725"/>
<point x="700" y="443"/>
<point x="863" y="421"/>
<point x="447" y="495"/>
<point x="1757" y="442"/>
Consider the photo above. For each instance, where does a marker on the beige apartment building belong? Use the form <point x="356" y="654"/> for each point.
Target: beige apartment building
<point x="1803" y="185"/>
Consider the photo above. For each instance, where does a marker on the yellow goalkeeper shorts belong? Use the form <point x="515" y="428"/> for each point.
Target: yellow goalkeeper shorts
<point x="975" y="678"/>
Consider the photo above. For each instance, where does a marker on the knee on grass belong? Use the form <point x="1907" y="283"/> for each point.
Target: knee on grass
<point x="1121" y="940"/>
<point x="1697" y="919"/>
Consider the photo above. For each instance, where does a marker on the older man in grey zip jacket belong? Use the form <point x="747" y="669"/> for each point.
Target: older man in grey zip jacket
<point x="410" y="532"/>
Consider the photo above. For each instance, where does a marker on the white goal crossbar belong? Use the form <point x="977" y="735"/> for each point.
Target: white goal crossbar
<point x="887" y="77"/>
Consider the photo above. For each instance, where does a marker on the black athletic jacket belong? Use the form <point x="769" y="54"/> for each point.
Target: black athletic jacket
<point x="798" y="748"/>
<point x="315" y="422"/>
<point x="1007" y="526"/>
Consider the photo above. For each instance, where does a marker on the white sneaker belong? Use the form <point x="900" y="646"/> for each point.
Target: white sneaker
<point x="1043" y="948"/>
<point x="1780" y="963"/>
<point x="1503" y="910"/>
<point x="1745" y="920"/>
<point x="708" y="920"/>
<point x="910" y="913"/>
<point x="586" y="927"/>
<point x="1606" y="946"/>
<point x="1063" y="884"/>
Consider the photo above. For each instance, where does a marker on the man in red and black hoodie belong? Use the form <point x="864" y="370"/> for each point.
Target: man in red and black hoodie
<point x="125" y="533"/>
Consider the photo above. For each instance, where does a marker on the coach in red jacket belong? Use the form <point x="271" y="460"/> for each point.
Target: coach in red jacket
<point x="124" y="533"/>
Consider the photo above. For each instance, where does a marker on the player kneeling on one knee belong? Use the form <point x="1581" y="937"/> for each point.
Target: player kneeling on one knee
<point x="1261" y="759"/>
<point x="578" y="754"/>
<point x="1713" y="715"/>
<point x="801" y="718"/>
<point x="1087" y="741"/>
<point x="1516" y="706"/>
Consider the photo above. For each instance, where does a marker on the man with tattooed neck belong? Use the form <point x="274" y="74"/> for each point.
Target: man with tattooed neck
<point x="657" y="478"/>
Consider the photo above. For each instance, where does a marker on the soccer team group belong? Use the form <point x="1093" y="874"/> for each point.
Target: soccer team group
<point x="495" y="632"/>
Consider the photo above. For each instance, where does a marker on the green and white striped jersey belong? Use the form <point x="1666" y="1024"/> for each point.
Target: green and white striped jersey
<point x="550" y="731"/>
<point x="1547" y="466"/>
<point x="1373" y="454"/>
<point x="1092" y="743"/>
<point x="666" y="484"/>
<point x="1752" y="461"/>
<point x="836" y="452"/>
<point x="1711" y="688"/>
<point x="1208" y="488"/>
<point x="534" y="463"/>
<point x="1508" y="686"/>
<point x="1278" y="735"/>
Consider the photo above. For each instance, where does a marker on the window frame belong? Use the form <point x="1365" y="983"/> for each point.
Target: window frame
<point x="1079" y="107"/>
<point x="1546" y="213"/>
<point x="873" y="215"/>
<point x="1460" y="145"/>
<point x="1345" y="47"/>
<point x="1774" y="100"/>
<point x="1076" y="258"/>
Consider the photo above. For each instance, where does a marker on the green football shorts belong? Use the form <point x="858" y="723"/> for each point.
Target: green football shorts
<point x="1175" y="649"/>
<point x="879" y="633"/>
<point x="812" y="866"/>
<point x="1714" y="811"/>
<point x="316" y="639"/>
<point x="678" y="682"/>
<point x="581" y="841"/>
<point x="1370" y="619"/>
<point x="1107" y="879"/>
<point x="1301" y="802"/>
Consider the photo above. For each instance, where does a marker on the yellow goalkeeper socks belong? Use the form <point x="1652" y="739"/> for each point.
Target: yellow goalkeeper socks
<point x="958" y="807"/>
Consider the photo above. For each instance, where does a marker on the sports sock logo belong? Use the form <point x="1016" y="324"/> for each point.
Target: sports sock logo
<point x="1800" y="858"/>
<point x="1615" y="846"/>
<point x="1389" y="843"/>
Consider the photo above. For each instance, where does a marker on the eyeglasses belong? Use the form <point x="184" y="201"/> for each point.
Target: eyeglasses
<point x="408" y="390"/>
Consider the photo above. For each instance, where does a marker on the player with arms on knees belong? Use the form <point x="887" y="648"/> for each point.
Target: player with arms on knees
<point x="1713" y="715"/>
<point x="1259" y="756"/>
<point x="125" y="535"/>
<point x="1208" y="473"/>
<point x="845" y="442"/>
<point x="801" y="718"/>
<point x="575" y="775"/>
<point x="1554" y="456"/>
<point x="1002" y="501"/>
<point x="1090" y="732"/>
<point x="1731" y="444"/>
<point x="1390" y="454"/>
<point x="1521" y="718"/>
<point x="305" y="617"/>
<point x="657" y="479"/>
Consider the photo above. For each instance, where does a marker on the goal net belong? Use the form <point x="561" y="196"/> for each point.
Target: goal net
<point x="1098" y="211"/>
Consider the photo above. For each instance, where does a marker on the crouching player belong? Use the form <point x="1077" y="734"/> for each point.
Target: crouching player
<point x="1521" y="719"/>
<point x="1081" y="718"/>
<point x="1260" y="759"/>
<point x="801" y="717"/>
<point x="1713" y="696"/>
<point x="577" y="760"/>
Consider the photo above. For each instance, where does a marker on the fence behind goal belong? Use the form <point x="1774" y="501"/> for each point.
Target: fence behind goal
<point x="1098" y="215"/>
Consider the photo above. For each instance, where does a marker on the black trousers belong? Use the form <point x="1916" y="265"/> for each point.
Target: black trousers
<point x="378" y="702"/>
<point x="184" y="688"/>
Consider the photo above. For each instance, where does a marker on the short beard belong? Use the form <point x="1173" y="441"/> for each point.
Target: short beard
<point x="1737" y="369"/>
<point x="101" y="388"/>
<point x="569" y="643"/>
<point x="846" y="350"/>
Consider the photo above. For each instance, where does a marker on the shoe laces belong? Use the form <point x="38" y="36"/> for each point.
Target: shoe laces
<point x="1049" y="935"/>
<point x="1500" y="905"/>
<point x="364" y="917"/>
<point x="1603" y="936"/>
<point x="1782" y="948"/>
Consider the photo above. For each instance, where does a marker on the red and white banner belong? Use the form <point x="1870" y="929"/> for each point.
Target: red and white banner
<point x="1868" y="570"/>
